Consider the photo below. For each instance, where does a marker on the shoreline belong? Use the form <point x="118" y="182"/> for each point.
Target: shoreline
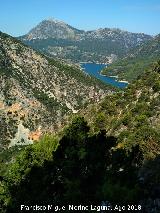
<point x="114" y="77"/>
<point x="90" y="62"/>
<point x="123" y="81"/>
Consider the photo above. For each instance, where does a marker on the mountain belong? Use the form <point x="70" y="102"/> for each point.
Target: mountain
<point x="57" y="38"/>
<point x="37" y="92"/>
<point x="136" y="61"/>
<point x="53" y="28"/>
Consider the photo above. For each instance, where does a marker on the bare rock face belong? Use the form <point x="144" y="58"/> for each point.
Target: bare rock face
<point x="36" y="93"/>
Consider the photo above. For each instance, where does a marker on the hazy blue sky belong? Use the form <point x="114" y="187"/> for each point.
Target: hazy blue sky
<point x="17" y="17"/>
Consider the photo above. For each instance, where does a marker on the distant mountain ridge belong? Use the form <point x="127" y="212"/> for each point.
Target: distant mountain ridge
<point x="57" y="38"/>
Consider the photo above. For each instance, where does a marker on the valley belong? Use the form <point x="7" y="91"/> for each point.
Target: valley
<point x="74" y="132"/>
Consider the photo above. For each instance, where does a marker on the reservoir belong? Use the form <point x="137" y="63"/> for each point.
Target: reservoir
<point x="94" y="70"/>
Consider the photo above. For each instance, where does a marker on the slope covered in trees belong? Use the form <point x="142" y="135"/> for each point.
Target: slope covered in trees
<point x="133" y="115"/>
<point x="82" y="170"/>
<point x="136" y="61"/>
<point x="112" y="155"/>
<point x="36" y="92"/>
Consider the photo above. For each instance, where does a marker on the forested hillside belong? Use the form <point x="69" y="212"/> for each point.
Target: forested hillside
<point x="110" y="153"/>
<point x="137" y="60"/>
<point x="37" y="93"/>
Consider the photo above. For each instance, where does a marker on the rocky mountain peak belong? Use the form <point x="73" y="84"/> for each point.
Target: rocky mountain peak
<point x="52" y="28"/>
<point x="55" y="21"/>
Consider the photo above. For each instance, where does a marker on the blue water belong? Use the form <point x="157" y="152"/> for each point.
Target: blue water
<point x="94" y="70"/>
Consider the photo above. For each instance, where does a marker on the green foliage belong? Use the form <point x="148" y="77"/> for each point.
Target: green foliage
<point x="18" y="171"/>
<point x="83" y="168"/>
<point x="127" y="119"/>
<point x="51" y="104"/>
<point x="32" y="155"/>
<point x="156" y="86"/>
<point x="77" y="129"/>
<point x="100" y="121"/>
